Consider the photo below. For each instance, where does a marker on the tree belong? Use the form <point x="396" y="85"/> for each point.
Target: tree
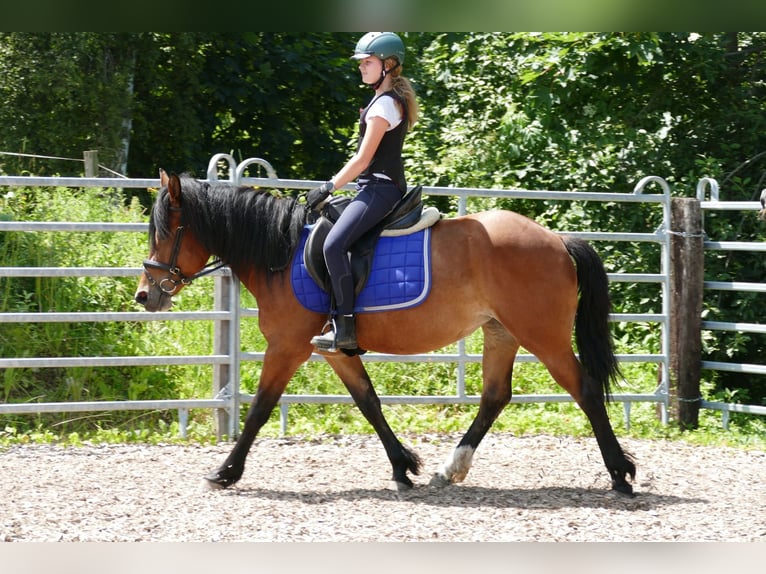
<point x="589" y="111"/>
<point x="597" y="112"/>
<point x="174" y="99"/>
<point x="64" y="93"/>
<point x="287" y="97"/>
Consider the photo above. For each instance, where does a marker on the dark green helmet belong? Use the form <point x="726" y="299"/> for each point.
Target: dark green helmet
<point x="381" y="44"/>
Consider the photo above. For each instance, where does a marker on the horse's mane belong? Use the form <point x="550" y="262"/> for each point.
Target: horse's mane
<point x="243" y="226"/>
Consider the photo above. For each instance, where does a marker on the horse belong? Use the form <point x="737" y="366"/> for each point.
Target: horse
<point x="521" y="283"/>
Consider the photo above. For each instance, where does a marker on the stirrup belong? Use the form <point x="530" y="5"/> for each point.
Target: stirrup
<point x="325" y="341"/>
<point x="328" y="340"/>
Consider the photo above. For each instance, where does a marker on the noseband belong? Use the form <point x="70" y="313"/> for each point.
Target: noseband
<point x="172" y="282"/>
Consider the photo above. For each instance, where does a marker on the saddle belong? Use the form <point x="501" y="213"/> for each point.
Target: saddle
<point x="408" y="216"/>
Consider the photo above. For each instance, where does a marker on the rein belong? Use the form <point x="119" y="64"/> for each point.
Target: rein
<point x="176" y="278"/>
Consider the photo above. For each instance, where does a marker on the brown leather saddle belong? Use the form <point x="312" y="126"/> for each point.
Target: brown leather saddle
<point x="406" y="214"/>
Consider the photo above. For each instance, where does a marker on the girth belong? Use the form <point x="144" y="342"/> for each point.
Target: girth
<point x="405" y="216"/>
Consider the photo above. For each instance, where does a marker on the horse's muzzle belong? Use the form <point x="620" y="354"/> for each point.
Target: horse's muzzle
<point x="151" y="298"/>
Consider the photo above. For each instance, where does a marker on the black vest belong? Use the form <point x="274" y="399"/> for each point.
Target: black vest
<point x="388" y="157"/>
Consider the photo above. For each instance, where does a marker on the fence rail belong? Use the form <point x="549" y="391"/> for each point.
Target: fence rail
<point x="227" y="357"/>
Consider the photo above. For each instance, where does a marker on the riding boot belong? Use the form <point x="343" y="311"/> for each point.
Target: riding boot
<point x="345" y="332"/>
<point x="342" y="336"/>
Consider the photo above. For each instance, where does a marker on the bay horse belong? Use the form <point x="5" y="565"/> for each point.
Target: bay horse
<point x="522" y="284"/>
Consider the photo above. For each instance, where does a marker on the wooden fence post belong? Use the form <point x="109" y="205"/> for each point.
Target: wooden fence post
<point x="686" y="285"/>
<point x="91" y="163"/>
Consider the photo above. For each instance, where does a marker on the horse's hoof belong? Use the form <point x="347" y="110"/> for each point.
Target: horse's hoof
<point x="208" y="484"/>
<point x="624" y="489"/>
<point x="402" y="481"/>
<point x="402" y="486"/>
<point x="215" y="481"/>
<point x="439" y="480"/>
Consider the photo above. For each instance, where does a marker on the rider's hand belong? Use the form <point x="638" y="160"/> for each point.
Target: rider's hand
<point x="317" y="196"/>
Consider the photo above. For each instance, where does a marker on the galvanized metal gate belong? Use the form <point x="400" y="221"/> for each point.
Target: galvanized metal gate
<point x="227" y="358"/>
<point x="714" y="203"/>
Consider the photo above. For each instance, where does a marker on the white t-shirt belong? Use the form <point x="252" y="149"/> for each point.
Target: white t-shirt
<point x="385" y="107"/>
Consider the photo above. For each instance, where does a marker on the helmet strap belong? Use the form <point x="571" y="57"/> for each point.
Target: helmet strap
<point x="383" y="74"/>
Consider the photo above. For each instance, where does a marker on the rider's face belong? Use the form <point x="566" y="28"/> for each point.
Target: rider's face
<point x="370" y="67"/>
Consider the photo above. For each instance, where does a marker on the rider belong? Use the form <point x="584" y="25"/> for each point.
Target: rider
<point x="379" y="167"/>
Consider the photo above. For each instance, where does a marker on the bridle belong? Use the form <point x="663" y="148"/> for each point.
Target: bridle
<point x="175" y="278"/>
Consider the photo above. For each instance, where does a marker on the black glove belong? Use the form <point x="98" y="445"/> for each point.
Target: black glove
<point x="319" y="194"/>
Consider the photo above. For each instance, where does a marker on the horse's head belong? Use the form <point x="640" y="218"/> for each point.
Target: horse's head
<point x="176" y="258"/>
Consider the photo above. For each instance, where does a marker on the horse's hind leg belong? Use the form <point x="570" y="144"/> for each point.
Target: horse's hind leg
<point x="618" y="463"/>
<point x="589" y="395"/>
<point x="354" y="376"/>
<point x="500" y="349"/>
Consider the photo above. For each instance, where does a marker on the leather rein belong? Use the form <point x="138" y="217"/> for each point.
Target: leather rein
<point x="175" y="278"/>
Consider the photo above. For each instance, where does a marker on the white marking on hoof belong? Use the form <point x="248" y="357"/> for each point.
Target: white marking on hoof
<point x="439" y="480"/>
<point x="455" y="468"/>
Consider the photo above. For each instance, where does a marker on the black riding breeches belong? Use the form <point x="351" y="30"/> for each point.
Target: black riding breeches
<point x="374" y="200"/>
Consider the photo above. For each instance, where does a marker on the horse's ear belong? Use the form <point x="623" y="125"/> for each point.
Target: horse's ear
<point x="163" y="178"/>
<point x="174" y="190"/>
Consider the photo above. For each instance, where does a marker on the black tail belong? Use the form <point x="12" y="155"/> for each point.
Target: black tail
<point x="592" y="333"/>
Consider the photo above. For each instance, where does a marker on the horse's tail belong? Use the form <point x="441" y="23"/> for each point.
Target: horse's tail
<point x="592" y="333"/>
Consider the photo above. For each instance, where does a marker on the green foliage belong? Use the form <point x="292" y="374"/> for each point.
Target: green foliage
<point x="597" y="112"/>
<point x="175" y="99"/>
<point x="64" y="93"/>
<point x="587" y="111"/>
<point x="286" y="97"/>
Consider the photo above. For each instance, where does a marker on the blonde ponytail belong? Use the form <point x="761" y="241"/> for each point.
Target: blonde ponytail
<point x="403" y="88"/>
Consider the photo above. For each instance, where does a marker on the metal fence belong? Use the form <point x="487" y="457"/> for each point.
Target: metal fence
<point x="227" y="357"/>
<point x="716" y="204"/>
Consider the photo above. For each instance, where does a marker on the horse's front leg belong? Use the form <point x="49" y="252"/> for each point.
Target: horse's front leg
<point x="278" y="369"/>
<point x="354" y="376"/>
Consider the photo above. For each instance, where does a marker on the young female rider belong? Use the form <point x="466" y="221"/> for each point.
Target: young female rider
<point x="379" y="168"/>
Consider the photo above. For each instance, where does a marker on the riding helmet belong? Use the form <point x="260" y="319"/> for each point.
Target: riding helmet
<point x="381" y="44"/>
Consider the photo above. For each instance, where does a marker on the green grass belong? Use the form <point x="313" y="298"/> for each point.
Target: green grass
<point x="313" y="421"/>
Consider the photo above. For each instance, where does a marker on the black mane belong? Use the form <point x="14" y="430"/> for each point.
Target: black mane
<point x="241" y="225"/>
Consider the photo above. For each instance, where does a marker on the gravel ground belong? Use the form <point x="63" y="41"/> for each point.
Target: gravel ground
<point x="538" y="488"/>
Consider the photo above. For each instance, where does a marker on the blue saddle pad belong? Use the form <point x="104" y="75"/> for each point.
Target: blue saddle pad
<point x="400" y="277"/>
